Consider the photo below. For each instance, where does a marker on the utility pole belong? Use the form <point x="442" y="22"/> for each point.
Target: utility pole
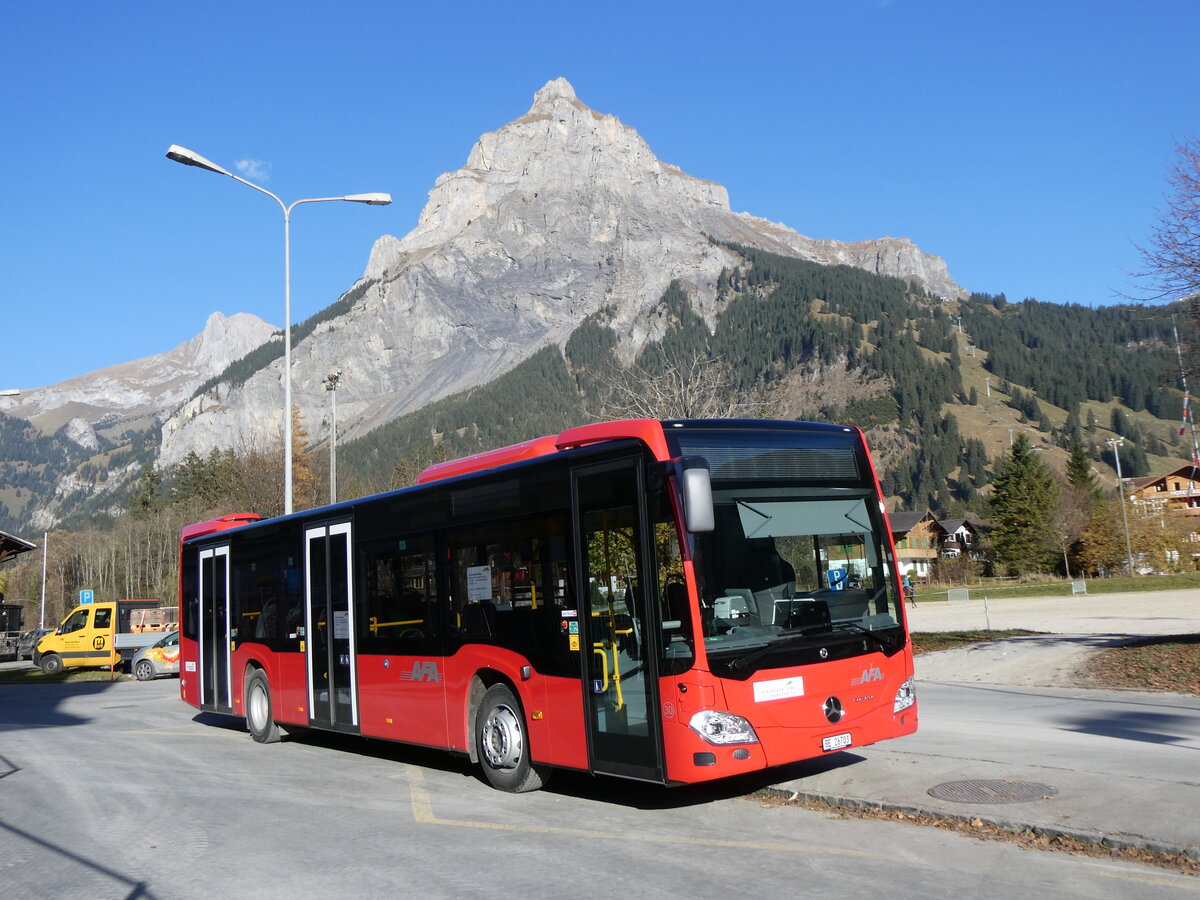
<point x="1115" y="443"/>
<point x="331" y="384"/>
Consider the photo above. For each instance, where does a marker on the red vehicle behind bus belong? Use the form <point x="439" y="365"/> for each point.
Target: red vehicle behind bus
<point x="671" y="601"/>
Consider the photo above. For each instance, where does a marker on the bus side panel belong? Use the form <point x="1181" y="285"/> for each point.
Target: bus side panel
<point x="403" y="698"/>
<point x="289" y="688"/>
<point x="553" y="706"/>
<point x="189" y="671"/>
<point x="563" y="711"/>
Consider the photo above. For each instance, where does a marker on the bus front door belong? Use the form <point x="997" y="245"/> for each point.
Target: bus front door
<point x="329" y="626"/>
<point x="620" y="687"/>
<point x="215" y="682"/>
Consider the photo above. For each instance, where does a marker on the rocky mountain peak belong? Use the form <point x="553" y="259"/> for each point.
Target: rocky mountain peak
<point x="555" y="215"/>
<point x="558" y="89"/>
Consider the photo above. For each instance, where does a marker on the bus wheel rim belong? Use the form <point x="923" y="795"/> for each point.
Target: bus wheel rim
<point x="503" y="742"/>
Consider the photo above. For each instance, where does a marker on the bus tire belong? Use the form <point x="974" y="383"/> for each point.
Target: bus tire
<point x="52" y="664"/>
<point x="502" y="742"/>
<point x="260" y="718"/>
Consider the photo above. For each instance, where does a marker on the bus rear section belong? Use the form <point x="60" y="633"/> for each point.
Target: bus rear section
<point x="665" y="601"/>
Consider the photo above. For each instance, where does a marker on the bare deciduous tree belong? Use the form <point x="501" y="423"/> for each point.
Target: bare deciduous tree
<point x="694" y="388"/>
<point x="1171" y="260"/>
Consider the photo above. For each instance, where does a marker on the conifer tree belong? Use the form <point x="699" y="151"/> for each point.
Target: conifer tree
<point x="1079" y="468"/>
<point x="1023" y="501"/>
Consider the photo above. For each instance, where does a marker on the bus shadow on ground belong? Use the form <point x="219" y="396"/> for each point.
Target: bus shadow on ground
<point x="638" y="795"/>
<point x="565" y="782"/>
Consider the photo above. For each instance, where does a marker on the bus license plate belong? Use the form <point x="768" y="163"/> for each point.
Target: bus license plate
<point x="837" y="742"/>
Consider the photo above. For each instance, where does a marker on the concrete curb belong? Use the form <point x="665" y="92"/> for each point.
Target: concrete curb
<point x="1093" y="838"/>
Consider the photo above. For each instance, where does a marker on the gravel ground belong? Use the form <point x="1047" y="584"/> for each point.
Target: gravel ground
<point x="1071" y="630"/>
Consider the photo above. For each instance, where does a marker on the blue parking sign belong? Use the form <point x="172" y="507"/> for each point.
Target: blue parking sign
<point x="86" y="597"/>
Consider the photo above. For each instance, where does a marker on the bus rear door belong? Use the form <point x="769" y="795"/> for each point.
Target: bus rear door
<point x="329" y="628"/>
<point x="215" y="682"/>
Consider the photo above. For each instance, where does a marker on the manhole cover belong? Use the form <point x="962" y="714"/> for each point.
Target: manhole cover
<point x="982" y="790"/>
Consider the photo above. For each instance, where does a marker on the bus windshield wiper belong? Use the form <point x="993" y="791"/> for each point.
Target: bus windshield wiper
<point x="884" y="645"/>
<point x="754" y="655"/>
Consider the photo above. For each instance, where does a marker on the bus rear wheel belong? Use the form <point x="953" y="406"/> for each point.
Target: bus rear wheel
<point x="503" y="745"/>
<point x="260" y="718"/>
<point x="52" y="664"/>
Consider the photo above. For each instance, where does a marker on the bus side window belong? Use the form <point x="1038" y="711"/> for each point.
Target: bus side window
<point x="398" y="603"/>
<point x="510" y="585"/>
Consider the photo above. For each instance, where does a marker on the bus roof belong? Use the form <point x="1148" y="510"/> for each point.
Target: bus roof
<point x="219" y="524"/>
<point x="648" y="431"/>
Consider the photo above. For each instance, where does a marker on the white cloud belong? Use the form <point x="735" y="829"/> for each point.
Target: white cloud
<point x="254" y="169"/>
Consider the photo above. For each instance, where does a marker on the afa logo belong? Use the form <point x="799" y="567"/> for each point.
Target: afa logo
<point x="872" y="674"/>
<point x="422" y="671"/>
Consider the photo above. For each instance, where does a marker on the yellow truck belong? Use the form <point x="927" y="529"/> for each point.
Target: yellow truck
<point x="102" y="634"/>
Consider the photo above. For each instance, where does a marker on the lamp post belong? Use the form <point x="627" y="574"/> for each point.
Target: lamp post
<point x="189" y="158"/>
<point x="332" y="382"/>
<point x="1116" y="443"/>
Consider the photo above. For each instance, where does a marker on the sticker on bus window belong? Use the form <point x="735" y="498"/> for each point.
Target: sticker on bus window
<point x="479" y="583"/>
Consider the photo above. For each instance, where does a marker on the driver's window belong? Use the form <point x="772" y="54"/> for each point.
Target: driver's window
<point x="76" y="622"/>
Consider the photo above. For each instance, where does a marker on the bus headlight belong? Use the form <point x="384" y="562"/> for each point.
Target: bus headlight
<point x="722" y="728"/>
<point x="906" y="696"/>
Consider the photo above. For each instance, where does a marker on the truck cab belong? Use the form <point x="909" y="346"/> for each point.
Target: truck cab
<point x="95" y="634"/>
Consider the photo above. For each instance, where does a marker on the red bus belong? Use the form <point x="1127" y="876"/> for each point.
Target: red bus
<point x="671" y="601"/>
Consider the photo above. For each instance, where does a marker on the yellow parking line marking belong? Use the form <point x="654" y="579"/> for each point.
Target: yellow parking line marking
<point x="423" y="813"/>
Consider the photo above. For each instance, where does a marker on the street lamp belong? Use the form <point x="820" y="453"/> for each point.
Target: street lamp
<point x="189" y="158"/>
<point x="1115" y="443"/>
<point x="332" y="382"/>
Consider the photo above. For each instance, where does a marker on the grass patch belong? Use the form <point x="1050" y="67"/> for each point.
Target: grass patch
<point x="929" y="641"/>
<point x="1166" y="663"/>
<point x="34" y="675"/>
<point x="1000" y="589"/>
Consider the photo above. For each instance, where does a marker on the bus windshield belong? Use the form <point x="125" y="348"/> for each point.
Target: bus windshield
<point x="788" y="569"/>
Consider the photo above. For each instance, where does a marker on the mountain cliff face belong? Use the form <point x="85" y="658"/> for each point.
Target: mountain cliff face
<point x="93" y="434"/>
<point x="558" y="214"/>
<point x="152" y="386"/>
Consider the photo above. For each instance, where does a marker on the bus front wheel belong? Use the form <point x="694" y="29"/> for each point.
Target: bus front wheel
<point x="503" y="744"/>
<point x="52" y="664"/>
<point x="260" y="719"/>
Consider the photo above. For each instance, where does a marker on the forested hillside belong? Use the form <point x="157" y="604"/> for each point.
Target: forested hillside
<point x="33" y="464"/>
<point x="939" y="386"/>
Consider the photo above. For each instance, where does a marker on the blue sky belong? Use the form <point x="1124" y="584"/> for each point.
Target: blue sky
<point x="1027" y="143"/>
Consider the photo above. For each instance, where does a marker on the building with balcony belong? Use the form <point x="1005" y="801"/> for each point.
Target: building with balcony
<point x="918" y="537"/>
<point x="1177" y="492"/>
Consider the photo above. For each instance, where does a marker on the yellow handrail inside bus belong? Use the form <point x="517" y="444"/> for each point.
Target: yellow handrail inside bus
<point x="374" y="624"/>
<point x="599" y="648"/>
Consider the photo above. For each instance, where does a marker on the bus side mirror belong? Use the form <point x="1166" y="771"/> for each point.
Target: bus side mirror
<point x="696" y="487"/>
